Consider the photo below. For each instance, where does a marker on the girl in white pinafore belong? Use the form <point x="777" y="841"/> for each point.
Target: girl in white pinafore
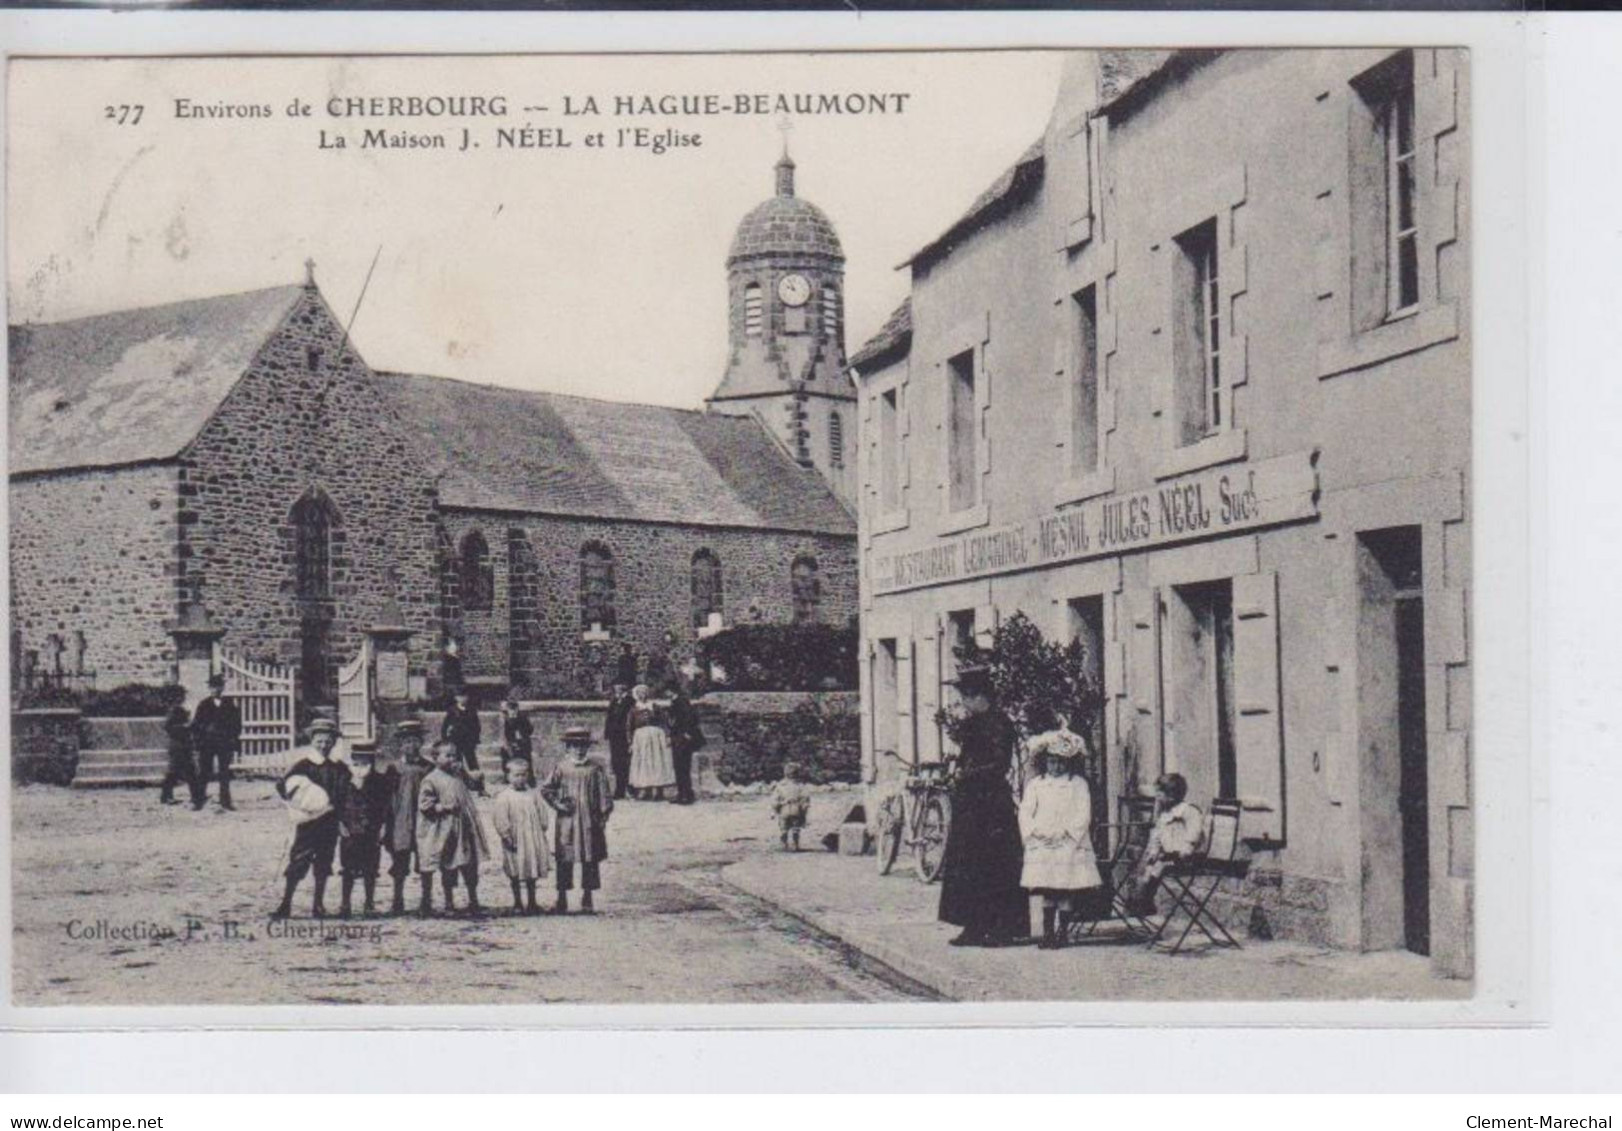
<point x="1055" y="821"/>
<point x="653" y="766"/>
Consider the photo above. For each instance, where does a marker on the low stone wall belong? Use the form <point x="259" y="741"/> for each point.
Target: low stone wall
<point x="752" y="733"/>
<point x="45" y="743"/>
<point x="550" y="718"/>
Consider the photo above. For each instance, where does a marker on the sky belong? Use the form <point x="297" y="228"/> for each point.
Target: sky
<point x="599" y="272"/>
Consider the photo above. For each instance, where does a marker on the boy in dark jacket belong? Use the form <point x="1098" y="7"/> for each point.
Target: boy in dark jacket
<point x="364" y="808"/>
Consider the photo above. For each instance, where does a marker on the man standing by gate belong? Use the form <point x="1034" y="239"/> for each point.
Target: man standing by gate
<point x="216" y="731"/>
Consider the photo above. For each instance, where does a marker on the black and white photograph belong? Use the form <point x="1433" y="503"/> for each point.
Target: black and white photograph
<point x="742" y="529"/>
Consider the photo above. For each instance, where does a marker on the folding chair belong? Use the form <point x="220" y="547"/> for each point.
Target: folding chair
<point x="1192" y="882"/>
<point x="1126" y="841"/>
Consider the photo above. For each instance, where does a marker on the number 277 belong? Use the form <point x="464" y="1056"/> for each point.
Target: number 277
<point x="124" y="115"/>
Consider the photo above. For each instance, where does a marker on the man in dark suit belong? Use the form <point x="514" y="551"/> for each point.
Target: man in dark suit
<point x="461" y="729"/>
<point x="685" y="738"/>
<point x="216" y="730"/>
<point x="617" y="733"/>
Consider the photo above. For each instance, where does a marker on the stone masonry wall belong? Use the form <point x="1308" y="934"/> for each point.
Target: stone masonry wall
<point x="94" y="551"/>
<point x="652" y="571"/>
<point x="305" y="416"/>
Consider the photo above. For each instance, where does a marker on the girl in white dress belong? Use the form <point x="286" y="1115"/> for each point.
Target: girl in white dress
<point x="653" y="766"/>
<point x="1055" y="822"/>
<point x="520" y="816"/>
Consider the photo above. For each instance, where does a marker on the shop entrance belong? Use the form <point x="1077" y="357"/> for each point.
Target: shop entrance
<point x="1394" y="793"/>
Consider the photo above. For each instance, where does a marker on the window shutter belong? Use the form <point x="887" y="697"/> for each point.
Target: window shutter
<point x="1142" y="681"/>
<point x="985" y="625"/>
<point x="929" y="693"/>
<point x="1259" y="741"/>
<point x="1071" y="171"/>
<point x="906" y="731"/>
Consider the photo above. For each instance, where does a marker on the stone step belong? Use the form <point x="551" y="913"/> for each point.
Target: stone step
<point x="120" y="757"/>
<point x="121" y="773"/>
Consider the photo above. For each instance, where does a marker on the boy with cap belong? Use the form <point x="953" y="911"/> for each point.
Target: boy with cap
<point x="579" y="791"/>
<point x="363" y="817"/>
<point x="517" y="731"/>
<point x="311" y="787"/>
<point x="404" y="773"/>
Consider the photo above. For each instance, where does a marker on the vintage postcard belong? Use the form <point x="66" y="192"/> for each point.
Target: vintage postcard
<point x="973" y="526"/>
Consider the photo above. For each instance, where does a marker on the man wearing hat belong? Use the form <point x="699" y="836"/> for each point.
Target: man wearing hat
<point x="404" y="772"/>
<point x="579" y="792"/>
<point x="216" y="734"/>
<point x="461" y="728"/>
<point x="980" y="868"/>
<point x="312" y="788"/>
<point x="517" y="731"/>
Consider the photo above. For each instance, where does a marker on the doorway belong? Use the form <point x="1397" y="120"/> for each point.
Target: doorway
<point x="886" y="701"/>
<point x="1394" y="755"/>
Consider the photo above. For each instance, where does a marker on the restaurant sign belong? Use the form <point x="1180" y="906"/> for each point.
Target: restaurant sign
<point x="1207" y="504"/>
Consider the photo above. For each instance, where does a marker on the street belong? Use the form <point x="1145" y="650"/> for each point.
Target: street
<point x="98" y="873"/>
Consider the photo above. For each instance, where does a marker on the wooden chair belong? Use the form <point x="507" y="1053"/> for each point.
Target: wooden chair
<point x="1193" y="881"/>
<point x="1124" y="843"/>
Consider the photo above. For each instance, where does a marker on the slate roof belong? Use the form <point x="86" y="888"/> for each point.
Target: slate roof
<point x="1022" y="174"/>
<point x="134" y="385"/>
<point x="785" y="225"/>
<point x="516" y="450"/>
<point x="893" y="340"/>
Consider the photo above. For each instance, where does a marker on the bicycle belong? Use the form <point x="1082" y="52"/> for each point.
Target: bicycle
<point x="923" y="822"/>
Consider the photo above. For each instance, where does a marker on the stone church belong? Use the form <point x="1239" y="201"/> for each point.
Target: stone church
<point x="235" y="458"/>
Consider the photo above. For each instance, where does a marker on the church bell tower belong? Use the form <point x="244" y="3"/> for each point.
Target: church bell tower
<point x="786" y="333"/>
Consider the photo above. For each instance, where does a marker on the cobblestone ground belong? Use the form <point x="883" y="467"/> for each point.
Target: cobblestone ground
<point x="668" y="931"/>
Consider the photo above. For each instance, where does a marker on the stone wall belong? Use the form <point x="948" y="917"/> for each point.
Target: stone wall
<point x="307" y="417"/>
<point x="533" y="636"/>
<point x="94" y="552"/>
<point x="45" y="745"/>
<point x="752" y="733"/>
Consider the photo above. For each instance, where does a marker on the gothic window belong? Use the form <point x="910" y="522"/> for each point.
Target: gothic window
<point x="836" y="439"/>
<point x="313" y="519"/>
<point x="752" y="309"/>
<point x="477" y="574"/>
<point x="706" y="581"/>
<point x="596" y="586"/>
<point x="807" y="589"/>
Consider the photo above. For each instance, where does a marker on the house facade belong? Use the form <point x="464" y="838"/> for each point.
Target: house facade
<point x="1191" y="384"/>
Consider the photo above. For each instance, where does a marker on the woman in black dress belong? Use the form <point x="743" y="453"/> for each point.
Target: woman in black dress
<point x="980" y="869"/>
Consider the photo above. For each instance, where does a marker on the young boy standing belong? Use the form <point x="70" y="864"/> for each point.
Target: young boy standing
<point x="791" y="802"/>
<point x="403" y="775"/>
<point x="581" y="794"/>
<point x="363" y="817"/>
<point x="450" y="838"/>
<point x="520" y="819"/>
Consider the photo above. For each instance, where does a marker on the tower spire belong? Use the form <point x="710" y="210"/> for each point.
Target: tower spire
<point x="785" y="163"/>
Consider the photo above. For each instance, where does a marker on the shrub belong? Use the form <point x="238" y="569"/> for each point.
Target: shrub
<point x="783" y="657"/>
<point x="128" y="701"/>
<point x="826" y="743"/>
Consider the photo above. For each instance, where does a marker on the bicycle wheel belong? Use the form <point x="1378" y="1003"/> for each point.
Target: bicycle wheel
<point x="889" y="846"/>
<point x="934" y="823"/>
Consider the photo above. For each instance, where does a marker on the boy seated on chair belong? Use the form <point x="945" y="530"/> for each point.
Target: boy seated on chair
<point x="1179" y="833"/>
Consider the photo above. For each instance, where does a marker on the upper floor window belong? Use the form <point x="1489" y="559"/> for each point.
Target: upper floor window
<point x="476" y="574"/>
<point x="706" y="587"/>
<point x="313" y="518"/>
<point x="596" y="586"/>
<point x="1084" y="387"/>
<point x="1203" y="401"/>
<point x="830" y="311"/>
<point x="753" y="310"/>
<point x="963" y="449"/>
<point x="889" y="453"/>
<point x="1384" y="191"/>
<point x="836" y="439"/>
<point x="807" y="587"/>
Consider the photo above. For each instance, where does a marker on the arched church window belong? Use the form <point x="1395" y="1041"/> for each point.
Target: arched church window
<point x="752" y="310"/>
<point x="706" y="583"/>
<point x="596" y="586"/>
<point x="807" y="589"/>
<point x="313" y="518"/>
<point x="836" y="439"/>
<point x="477" y="574"/>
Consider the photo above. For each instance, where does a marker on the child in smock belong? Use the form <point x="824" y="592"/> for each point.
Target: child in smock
<point x="791" y="802"/>
<point x="1055" y="822"/>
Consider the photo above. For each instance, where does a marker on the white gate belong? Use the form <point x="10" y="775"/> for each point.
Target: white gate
<point x="264" y="694"/>
<point x="355" y="697"/>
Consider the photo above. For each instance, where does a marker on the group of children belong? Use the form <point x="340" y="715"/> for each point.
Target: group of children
<point x="422" y="810"/>
<point x="1055" y="823"/>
